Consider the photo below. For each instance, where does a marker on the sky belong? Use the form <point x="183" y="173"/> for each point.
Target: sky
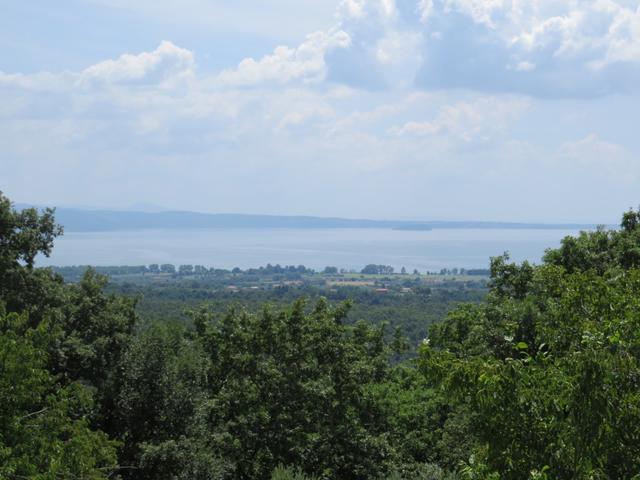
<point x="503" y="110"/>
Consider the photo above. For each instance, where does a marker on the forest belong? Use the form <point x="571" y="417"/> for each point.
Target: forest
<point x="535" y="376"/>
<point x="410" y="302"/>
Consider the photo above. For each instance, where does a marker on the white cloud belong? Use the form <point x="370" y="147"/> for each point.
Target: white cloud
<point x="574" y="48"/>
<point x="359" y="9"/>
<point x="476" y="121"/>
<point x="598" y="31"/>
<point x="536" y="47"/>
<point x="388" y="8"/>
<point x="42" y="81"/>
<point x="623" y="37"/>
<point x="592" y="155"/>
<point x="167" y="62"/>
<point x="275" y="122"/>
<point x="166" y="65"/>
<point x="305" y="63"/>
<point x="577" y="47"/>
<point x="352" y="8"/>
<point x="482" y="11"/>
<point x="525" y="66"/>
<point x="425" y="7"/>
<point x="399" y="47"/>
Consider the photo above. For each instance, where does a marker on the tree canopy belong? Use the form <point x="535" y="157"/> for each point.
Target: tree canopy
<point x="550" y="362"/>
<point x="539" y="380"/>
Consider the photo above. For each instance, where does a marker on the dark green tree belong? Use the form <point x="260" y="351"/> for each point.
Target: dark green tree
<point x="69" y="339"/>
<point x="44" y="427"/>
<point x="164" y="380"/>
<point x="289" y="388"/>
<point x="549" y="363"/>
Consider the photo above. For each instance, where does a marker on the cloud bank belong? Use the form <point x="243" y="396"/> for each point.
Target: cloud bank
<point x="401" y="108"/>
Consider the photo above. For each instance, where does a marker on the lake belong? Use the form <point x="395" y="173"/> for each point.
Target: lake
<point x="343" y="248"/>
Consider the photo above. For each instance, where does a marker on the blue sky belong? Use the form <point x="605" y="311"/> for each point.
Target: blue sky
<point x="515" y="110"/>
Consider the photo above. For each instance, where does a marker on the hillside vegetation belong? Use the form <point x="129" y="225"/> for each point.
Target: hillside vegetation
<point x="539" y="380"/>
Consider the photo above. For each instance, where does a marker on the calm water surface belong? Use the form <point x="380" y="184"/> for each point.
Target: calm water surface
<point x="344" y="248"/>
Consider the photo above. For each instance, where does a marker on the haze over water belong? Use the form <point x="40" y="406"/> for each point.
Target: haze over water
<point x="314" y="248"/>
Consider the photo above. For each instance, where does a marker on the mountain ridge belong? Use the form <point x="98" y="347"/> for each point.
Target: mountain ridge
<point x="94" y="220"/>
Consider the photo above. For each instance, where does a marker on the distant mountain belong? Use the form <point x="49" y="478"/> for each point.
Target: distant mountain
<point x="138" y="207"/>
<point x="79" y="220"/>
<point x="146" y="207"/>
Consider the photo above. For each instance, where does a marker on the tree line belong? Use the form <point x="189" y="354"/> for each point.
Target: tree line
<point x="75" y="272"/>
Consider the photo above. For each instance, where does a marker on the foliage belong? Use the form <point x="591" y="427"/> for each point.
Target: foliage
<point x="427" y="471"/>
<point x="414" y="312"/>
<point x="549" y="363"/>
<point x="59" y="345"/>
<point x="282" y="473"/>
<point x="540" y="380"/>
<point x="24" y="235"/>
<point x="372" y="269"/>
<point x="288" y="387"/>
<point x="420" y="422"/>
<point x="44" y="429"/>
<point x="164" y="376"/>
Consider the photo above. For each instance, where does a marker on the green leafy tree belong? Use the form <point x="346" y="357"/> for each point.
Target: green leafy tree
<point x="168" y="268"/>
<point x="23" y="235"/>
<point x="164" y="380"/>
<point x="289" y="388"/>
<point x="549" y="363"/>
<point x="44" y="428"/>
<point x="185" y="270"/>
<point x="86" y="332"/>
<point x="95" y="331"/>
<point x="283" y="473"/>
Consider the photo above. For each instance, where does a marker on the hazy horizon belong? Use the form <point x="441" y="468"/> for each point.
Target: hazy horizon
<point x="157" y="209"/>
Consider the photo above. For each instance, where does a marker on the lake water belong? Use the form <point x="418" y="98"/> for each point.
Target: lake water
<point x="343" y="248"/>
